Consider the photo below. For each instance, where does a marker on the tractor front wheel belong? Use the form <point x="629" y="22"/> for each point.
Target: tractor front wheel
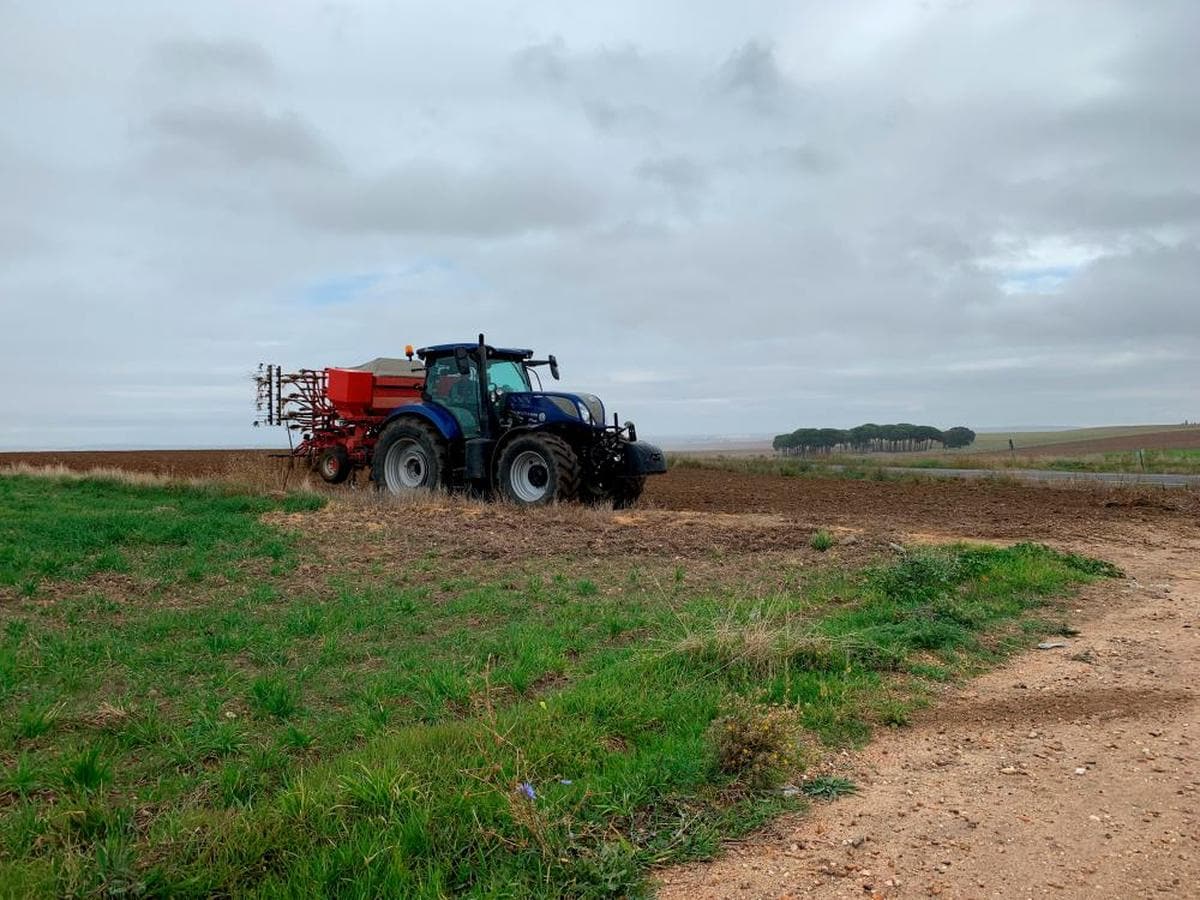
<point x="410" y="456"/>
<point x="627" y="491"/>
<point x="333" y="464"/>
<point x="537" y="469"/>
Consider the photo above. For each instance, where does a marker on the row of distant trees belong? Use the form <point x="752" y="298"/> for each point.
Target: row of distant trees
<point x="871" y="438"/>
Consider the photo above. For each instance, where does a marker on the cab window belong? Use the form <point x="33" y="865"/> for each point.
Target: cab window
<point x="506" y="375"/>
<point x="458" y="393"/>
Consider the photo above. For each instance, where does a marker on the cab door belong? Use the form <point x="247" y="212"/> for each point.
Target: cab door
<point x="456" y="392"/>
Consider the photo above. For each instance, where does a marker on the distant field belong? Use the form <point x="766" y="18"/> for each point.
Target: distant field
<point x="1175" y="451"/>
<point x="1131" y="437"/>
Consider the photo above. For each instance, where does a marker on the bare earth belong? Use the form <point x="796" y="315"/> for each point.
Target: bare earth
<point x="1175" y="439"/>
<point x="1071" y="772"/>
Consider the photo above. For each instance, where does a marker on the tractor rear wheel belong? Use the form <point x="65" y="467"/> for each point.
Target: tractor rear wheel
<point x="537" y="469"/>
<point x="627" y="491"/>
<point x="333" y="464"/>
<point x="410" y="456"/>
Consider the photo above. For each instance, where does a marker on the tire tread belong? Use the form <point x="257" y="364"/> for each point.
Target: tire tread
<point x="423" y="431"/>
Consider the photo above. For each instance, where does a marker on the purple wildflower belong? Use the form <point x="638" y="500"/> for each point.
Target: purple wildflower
<point x="527" y="789"/>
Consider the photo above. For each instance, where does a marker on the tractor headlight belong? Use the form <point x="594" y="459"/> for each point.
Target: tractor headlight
<point x="594" y="407"/>
<point x="568" y="407"/>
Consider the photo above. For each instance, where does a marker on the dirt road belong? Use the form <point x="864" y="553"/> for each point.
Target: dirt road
<point x="1072" y="772"/>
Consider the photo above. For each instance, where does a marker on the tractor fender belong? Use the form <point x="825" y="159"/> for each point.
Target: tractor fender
<point x="644" y="459"/>
<point x="439" y="418"/>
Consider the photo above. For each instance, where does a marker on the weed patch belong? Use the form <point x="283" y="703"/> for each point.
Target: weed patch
<point x="829" y="787"/>
<point x="821" y="540"/>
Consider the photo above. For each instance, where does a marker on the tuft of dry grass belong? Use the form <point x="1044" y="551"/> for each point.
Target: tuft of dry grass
<point x="264" y="474"/>
<point x="101" y="473"/>
<point x="762" y="648"/>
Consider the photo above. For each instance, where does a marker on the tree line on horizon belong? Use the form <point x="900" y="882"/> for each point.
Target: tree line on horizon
<point x="871" y="438"/>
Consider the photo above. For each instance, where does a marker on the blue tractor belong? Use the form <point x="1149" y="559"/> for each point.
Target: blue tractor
<point x="482" y="426"/>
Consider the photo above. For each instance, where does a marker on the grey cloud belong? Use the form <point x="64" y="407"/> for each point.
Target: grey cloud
<point x="679" y="173"/>
<point x="427" y="196"/>
<point x="610" y="116"/>
<point x="608" y="83"/>
<point x="1101" y="206"/>
<point x="19" y="242"/>
<point x="1150" y="293"/>
<point x="752" y="73"/>
<point x="241" y="136"/>
<point x="199" y="59"/>
<point x="543" y="63"/>
<point x="804" y="158"/>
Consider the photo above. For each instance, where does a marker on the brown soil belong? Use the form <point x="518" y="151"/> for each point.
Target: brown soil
<point x="961" y="508"/>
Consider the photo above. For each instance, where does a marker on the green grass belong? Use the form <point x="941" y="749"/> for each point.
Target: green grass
<point x="425" y="732"/>
<point x="68" y="528"/>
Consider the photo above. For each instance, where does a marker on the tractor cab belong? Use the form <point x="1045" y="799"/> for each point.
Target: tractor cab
<point x="452" y="380"/>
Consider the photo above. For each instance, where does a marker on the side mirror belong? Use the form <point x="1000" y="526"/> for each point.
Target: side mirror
<point x="553" y="367"/>
<point x="462" y="361"/>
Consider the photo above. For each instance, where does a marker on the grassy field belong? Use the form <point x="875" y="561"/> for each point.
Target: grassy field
<point x="194" y="702"/>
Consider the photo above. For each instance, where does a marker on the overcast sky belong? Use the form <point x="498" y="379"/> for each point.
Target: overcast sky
<point x="723" y="218"/>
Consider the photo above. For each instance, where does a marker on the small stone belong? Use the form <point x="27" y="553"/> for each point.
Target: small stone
<point x="1009" y="770"/>
<point x="1052" y="645"/>
<point x="1081" y="771"/>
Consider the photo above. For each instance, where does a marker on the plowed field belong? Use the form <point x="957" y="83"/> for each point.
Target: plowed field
<point x="984" y="509"/>
<point x="1177" y="439"/>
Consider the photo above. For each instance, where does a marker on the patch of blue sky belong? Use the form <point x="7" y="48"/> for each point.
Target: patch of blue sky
<point x="1047" y="280"/>
<point x="340" y="288"/>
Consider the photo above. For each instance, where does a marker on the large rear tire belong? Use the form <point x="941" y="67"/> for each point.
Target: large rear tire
<point x="410" y="457"/>
<point x="538" y="469"/>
